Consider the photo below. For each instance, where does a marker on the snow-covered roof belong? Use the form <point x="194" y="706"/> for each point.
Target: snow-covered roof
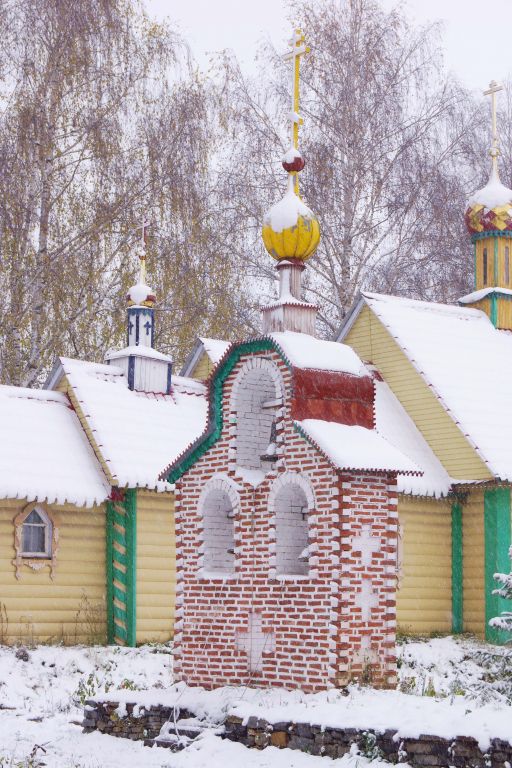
<point x="214" y="348"/>
<point x="137" y="433"/>
<point x="483" y="293"/>
<point x="465" y="361"/>
<point x="355" y="447"/>
<point x="138" y="351"/>
<point x="304" y="351"/>
<point x="44" y="453"/>
<point x="395" y="425"/>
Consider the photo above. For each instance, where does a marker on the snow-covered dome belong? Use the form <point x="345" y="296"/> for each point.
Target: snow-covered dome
<point x="290" y="229"/>
<point x="140" y="295"/>
<point x="491" y="207"/>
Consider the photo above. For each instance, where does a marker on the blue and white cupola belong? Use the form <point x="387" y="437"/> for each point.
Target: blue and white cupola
<point x="146" y="369"/>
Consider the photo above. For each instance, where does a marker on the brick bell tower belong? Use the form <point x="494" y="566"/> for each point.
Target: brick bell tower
<point x="286" y="505"/>
<point x="489" y="220"/>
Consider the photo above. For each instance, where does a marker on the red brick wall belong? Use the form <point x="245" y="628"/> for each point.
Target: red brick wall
<point x="313" y="630"/>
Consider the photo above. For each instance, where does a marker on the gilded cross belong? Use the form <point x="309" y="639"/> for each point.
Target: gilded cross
<point x="493" y="89"/>
<point x="298" y="48"/>
<point x="142" y="250"/>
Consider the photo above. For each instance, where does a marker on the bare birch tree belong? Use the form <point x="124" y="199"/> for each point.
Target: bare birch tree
<point x="103" y="124"/>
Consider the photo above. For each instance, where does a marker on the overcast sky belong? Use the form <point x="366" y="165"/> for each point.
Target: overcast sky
<point x="477" y="32"/>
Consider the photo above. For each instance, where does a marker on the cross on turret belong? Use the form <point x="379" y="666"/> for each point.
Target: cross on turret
<point x="494" y="152"/>
<point x="298" y="48"/>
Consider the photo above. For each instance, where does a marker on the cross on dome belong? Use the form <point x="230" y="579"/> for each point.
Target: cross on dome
<point x="292" y="157"/>
<point x="494" y="152"/>
<point x="140" y="293"/>
<point x="290" y="230"/>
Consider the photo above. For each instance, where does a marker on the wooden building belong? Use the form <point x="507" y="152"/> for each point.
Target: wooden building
<point x="86" y="528"/>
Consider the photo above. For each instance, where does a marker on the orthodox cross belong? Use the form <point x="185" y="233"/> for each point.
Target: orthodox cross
<point x="298" y="48"/>
<point x="493" y="89"/>
<point x="255" y="643"/>
<point x="366" y="544"/>
<point x="142" y="250"/>
<point x="366" y="599"/>
<point x="147" y="326"/>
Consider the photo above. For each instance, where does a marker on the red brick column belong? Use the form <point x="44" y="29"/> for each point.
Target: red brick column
<point x="367" y="608"/>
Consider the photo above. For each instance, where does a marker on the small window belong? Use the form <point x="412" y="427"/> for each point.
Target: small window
<point x="485" y="267"/>
<point x="36" y="535"/>
<point x="507" y="266"/>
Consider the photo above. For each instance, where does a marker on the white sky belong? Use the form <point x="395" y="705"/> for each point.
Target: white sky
<point x="477" y="32"/>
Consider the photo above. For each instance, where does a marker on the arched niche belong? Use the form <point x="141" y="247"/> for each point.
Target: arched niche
<point x="257" y="398"/>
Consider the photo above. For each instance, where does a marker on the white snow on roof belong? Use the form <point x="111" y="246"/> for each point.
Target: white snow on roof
<point x="44" y="453"/>
<point x="354" y="447"/>
<point x="482" y="294"/>
<point x="466" y="362"/>
<point x="395" y="425"/>
<point x="493" y="195"/>
<point x="304" y="351"/>
<point x="138" y="351"/>
<point x="137" y="433"/>
<point x="214" y="348"/>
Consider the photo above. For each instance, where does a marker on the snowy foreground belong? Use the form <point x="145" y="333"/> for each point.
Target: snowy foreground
<point x="448" y="687"/>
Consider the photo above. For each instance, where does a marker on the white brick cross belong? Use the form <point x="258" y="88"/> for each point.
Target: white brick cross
<point x="366" y="544"/>
<point x="366" y="599"/>
<point x="255" y="642"/>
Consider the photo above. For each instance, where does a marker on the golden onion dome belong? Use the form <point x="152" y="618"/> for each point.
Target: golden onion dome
<point x="490" y="209"/>
<point x="140" y="295"/>
<point x="290" y="229"/>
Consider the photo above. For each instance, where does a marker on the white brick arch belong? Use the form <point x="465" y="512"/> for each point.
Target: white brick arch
<point x="291" y="500"/>
<point x="218" y="506"/>
<point x="256" y="402"/>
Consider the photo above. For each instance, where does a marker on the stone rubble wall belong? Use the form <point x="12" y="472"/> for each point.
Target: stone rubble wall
<point x="461" y="752"/>
<point x="138" y="723"/>
<point x="129" y="721"/>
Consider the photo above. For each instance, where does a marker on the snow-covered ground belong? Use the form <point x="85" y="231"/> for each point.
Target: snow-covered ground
<point x="448" y="684"/>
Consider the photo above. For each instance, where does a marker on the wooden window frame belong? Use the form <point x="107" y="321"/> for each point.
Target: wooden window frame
<point x="36" y="560"/>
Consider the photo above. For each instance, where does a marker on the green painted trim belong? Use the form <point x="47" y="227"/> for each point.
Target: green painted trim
<point x="130" y="505"/>
<point x="497" y="543"/>
<point x="109" y="571"/>
<point x="495" y="262"/>
<point x="457" y="570"/>
<point x="491" y="233"/>
<point x="476" y="265"/>
<point x="215" y="419"/>
<point x="494" y="309"/>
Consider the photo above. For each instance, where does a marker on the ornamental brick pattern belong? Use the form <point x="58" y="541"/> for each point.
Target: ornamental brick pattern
<point x="323" y="625"/>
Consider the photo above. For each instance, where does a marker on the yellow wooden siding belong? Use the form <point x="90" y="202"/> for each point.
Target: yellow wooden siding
<point x="202" y="368"/>
<point x="64" y="387"/>
<point x="424" y="600"/>
<point x="484" y="305"/>
<point x="504" y="319"/>
<point x="156" y="566"/>
<point x="473" y="542"/>
<point x="487" y="243"/>
<point x="374" y="343"/>
<point x="69" y="608"/>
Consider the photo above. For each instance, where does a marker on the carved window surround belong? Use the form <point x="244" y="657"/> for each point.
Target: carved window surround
<point x="31" y="561"/>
